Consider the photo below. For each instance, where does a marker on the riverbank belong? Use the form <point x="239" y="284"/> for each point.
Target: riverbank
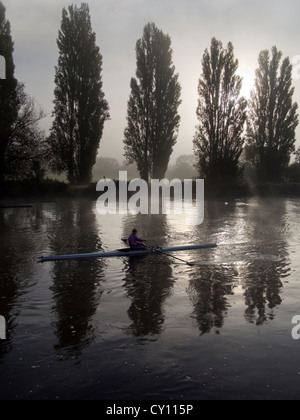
<point x="32" y="189"/>
<point x="240" y="190"/>
<point x="51" y="189"/>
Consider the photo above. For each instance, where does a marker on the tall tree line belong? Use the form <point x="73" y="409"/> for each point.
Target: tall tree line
<point x="80" y="109"/>
<point x="228" y="124"/>
<point x="266" y="130"/>
<point x="264" y="127"/>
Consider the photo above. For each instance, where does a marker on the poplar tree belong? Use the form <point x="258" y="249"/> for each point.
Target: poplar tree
<point x="152" y="116"/>
<point x="273" y="117"/>
<point x="221" y="112"/>
<point x="80" y="109"/>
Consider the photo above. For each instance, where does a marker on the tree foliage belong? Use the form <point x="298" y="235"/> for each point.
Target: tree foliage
<point x="272" y="117"/>
<point x="8" y="91"/>
<point x="22" y="142"/>
<point x="218" y="142"/>
<point x="80" y="108"/>
<point x="27" y="151"/>
<point x="152" y="117"/>
<point x="297" y="155"/>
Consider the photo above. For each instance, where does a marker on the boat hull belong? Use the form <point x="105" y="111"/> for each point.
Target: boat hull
<point x="125" y="253"/>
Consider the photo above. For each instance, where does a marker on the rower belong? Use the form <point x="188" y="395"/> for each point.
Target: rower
<point x="135" y="242"/>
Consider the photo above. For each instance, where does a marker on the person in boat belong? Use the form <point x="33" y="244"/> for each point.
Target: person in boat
<point x="135" y="242"/>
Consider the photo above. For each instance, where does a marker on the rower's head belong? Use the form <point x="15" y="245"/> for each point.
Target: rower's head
<point x="134" y="231"/>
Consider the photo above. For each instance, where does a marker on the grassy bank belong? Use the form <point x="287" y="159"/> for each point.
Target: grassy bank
<point x="252" y="190"/>
<point x="32" y="189"/>
<point x="281" y="190"/>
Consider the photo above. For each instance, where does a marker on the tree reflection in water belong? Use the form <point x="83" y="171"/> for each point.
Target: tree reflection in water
<point x="209" y="288"/>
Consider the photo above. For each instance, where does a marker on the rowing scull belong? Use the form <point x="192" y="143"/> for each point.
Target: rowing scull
<point x="125" y="253"/>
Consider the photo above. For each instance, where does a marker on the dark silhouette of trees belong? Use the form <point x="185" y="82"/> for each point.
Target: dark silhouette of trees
<point x="297" y="155"/>
<point x="22" y="142"/>
<point x="219" y="140"/>
<point x="80" y="108"/>
<point x="272" y="117"/>
<point x="27" y="151"/>
<point x="152" y="116"/>
<point x="8" y="91"/>
<point x="80" y="112"/>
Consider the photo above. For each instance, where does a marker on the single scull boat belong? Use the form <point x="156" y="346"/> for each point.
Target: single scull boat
<point x="125" y="253"/>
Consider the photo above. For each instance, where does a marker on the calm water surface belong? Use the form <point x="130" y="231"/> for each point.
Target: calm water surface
<point x="149" y="328"/>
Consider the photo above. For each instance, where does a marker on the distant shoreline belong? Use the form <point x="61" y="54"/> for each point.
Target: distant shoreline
<point x="51" y="189"/>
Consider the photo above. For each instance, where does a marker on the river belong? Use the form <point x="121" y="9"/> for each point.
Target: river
<point x="151" y="328"/>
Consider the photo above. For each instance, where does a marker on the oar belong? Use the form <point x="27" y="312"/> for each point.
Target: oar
<point x="164" y="253"/>
<point x="172" y="256"/>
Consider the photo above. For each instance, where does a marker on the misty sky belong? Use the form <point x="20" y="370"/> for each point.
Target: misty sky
<point x="251" y="26"/>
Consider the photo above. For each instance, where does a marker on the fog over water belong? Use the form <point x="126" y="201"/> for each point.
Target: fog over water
<point x="149" y="328"/>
